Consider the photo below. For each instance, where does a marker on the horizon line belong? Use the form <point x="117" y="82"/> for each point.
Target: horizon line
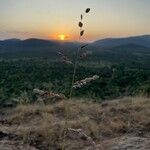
<point x="46" y="39"/>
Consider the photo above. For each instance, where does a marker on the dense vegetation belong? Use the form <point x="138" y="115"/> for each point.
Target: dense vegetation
<point x="122" y="64"/>
<point x="20" y="76"/>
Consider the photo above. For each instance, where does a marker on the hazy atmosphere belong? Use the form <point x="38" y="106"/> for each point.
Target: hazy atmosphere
<point x="50" y="18"/>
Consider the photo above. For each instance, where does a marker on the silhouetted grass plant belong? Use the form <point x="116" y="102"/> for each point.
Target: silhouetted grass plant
<point x="80" y="54"/>
<point x="81" y="33"/>
<point x="78" y="84"/>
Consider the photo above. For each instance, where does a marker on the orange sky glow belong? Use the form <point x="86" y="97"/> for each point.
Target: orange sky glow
<point x="49" y="19"/>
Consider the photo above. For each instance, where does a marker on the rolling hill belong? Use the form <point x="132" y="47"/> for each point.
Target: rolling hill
<point x="143" y="40"/>
<point x="131" y="50"/>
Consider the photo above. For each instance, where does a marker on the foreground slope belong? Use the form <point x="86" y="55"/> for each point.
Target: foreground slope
<point x="112" y="125"/>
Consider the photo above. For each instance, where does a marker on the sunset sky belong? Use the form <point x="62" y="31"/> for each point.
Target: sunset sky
<point x="49" y="19"/>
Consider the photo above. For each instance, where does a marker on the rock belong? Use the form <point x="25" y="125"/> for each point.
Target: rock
<point x="15" y="145"/>
<point x="127" y="142"/>
<point x="79" y="140"/>
<point x="3" y="135"/>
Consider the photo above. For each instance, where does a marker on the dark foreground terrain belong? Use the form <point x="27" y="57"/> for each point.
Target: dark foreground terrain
<point x="111" y="125"/>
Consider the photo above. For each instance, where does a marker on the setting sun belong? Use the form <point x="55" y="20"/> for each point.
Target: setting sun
<point x="62" y="37"/>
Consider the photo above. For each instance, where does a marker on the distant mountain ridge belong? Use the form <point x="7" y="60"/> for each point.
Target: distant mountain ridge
<point x="35" y="42"/>
<point x="131" y="50"/>
<point x="28" y="42"/>
<point x="143" y="40"/>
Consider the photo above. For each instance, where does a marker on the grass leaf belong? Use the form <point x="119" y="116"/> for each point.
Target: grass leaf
<point x="84" y="46"/>
<point x="80" y="24"/>
<point x="81" y="33"/>
<point x="87" y="10"/>
<point x="81" y="16"/>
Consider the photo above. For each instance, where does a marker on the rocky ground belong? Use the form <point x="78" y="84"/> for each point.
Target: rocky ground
<point x="116" y="125"/>
<point x="128" y="142"/>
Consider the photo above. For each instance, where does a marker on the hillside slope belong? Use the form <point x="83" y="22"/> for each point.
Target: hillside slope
<point x="113" y="125"/>
<point x="132" y="51"/>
